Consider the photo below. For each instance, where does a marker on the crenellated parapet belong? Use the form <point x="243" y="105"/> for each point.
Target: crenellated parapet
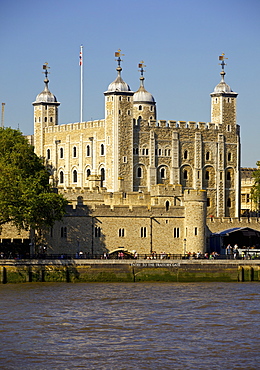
<point x="77" y="126"/>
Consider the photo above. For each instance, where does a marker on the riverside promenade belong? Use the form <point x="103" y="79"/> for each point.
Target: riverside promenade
<point x="128" y="270"/>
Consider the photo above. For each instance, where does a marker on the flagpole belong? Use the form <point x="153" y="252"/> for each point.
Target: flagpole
<point x="81" y="82"/>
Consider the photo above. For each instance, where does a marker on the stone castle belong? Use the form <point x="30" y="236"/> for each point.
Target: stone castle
<point x="136" y="183"/>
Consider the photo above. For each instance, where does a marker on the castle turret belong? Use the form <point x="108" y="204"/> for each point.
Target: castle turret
<point x="45" y="114"/>
<point x="223" y="102"/>
<point x="119" y="133"/>
<point x="223" y="113"/>
<point x="144" y="104"/>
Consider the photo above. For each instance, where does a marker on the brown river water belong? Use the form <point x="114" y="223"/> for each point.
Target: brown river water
<point x="130" y="326"/>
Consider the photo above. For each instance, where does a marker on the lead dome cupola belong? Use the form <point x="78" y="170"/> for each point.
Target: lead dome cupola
<point x="142" y="95"/>
<point x="119" y="84"/>
<point x="46" y="96"/>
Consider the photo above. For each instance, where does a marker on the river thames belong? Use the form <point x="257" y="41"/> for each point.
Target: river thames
<point x="130" y="326"/>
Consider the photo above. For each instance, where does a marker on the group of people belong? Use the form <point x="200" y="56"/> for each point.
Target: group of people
<point x="232" y="252"/>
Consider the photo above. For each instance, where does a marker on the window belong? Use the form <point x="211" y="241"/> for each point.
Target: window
<point x="220" y="175"/>
<point x="228" y="176"/>
<point x="121" y="233"/>
<point x="176" y="232"/>
<point x="75" y="176"/>
<point x="61" y="177"/>
<point x="185" y="174"/>
<point x="50" y="119"/>
<point x="167" y="205"/>
<point x="88" y="172"/>
<point x="102" y="149"/>
<point x="159" y="151"/>
<point x="48" y="154"/>
<point x="97" y="232"/>
<point x="128" y="98"/>
<point x="120" y="98"/>
<point x="140" y="107"/>
<point x="61" y="153"/>
<point x="162" y="173"/>
<point x="139" y="172"/>
<point x="151" y="108"/>
<point x="129" y="112"/>
<point x="229" y="202"/>
<point x="196" y="231"/>
<point x="228" y="128"/>
<point x="45" y="119"/>
<point x="207" y="175"/>
<point x="208" y="202"/>
<point x="185" y="155"/>
<point x="229" y="157"/>
<point x="207" y="156"/>
<point x="102" y="174"/>
<point x="63" y="232"/>
<point x="143" y="232"/>
<point x="74" y="152"/>
<point x="125" y="159"/>
<point x="88" y="151"/>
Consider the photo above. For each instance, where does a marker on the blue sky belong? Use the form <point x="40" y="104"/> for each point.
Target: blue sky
<point x="180" y="42"/>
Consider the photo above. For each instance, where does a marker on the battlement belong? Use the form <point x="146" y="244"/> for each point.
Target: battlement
<point x="75" y="126"/>
<point x="183" y="125"/>
<point x="195" y="195"/>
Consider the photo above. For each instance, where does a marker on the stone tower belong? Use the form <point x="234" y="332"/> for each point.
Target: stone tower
<point x="223" y="114"/>
<point x="144" y="108"/>
<point x="119" y="133"/>
<point x="45" y="115"/>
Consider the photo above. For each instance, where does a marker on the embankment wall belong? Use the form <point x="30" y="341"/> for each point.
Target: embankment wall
<point x="128" y="271"/>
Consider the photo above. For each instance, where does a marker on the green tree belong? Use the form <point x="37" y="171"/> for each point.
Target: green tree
<point x="26" y="198"/>
<point x="255" y="190"/>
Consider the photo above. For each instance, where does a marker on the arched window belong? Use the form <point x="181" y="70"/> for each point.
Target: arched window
<point x="48" y="154"/>
<point x="75" y="176"/>
<point x="228" y="175"/>
<point x="167" y="205"/>
<point x="139" y="172"/>
<point x="102" y="149"/>
<point x="102" y="173"/>
<point x="229" y="202"/>
<point x="140" y="107"/>
<point x="162" y="172"/>
<point x="88" y="172"/>
<point x="185" y="155"/>
<point x="88" y="150"/>
<point x="61" y="177"/>
<point x="61" y="153"/>
<point x="74" y="152"/>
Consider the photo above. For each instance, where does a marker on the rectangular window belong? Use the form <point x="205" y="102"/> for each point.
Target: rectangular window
<point x="196" y="231"/>
<point x="121" y="233"/>
<point x="143" y="232"/>
<point x="97" y="232"/>
<point x="176" y="232"/>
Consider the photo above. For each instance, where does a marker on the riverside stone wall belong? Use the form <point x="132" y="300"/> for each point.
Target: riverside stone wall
<point x="128" y="271"/>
